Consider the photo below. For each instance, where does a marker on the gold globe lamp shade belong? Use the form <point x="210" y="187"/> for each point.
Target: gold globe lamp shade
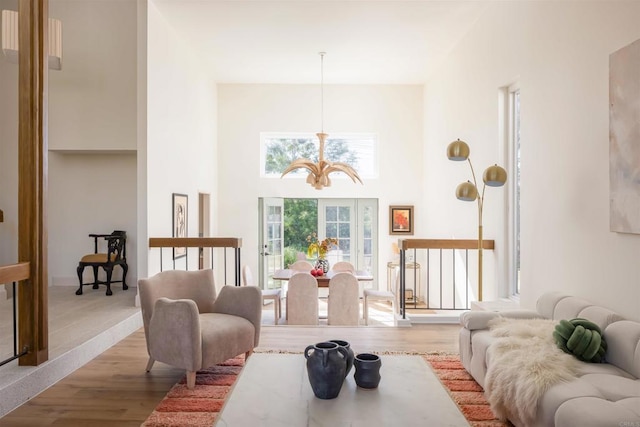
<point x="458" y="151"/>
<point x="467" y="192"/>
<point x="494" y="176"/>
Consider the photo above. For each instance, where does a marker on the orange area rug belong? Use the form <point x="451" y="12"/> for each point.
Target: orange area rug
<point x="464" y="390"/>
<point x="200" y="406"/>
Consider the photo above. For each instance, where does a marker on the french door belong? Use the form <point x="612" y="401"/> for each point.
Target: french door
<point x="353" y="222"/>
<point x="271" y="240"/>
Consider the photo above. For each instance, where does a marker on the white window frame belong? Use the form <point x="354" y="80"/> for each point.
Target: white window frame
<point x="264" y="136"/>
<point x="514" y="228"/>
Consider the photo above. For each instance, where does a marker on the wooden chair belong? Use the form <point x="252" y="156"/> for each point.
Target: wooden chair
<point x="267" y="294"/>
<point x="115" y="255"/>
<point x="344" y="302"/>
<point x="302" y="300"/>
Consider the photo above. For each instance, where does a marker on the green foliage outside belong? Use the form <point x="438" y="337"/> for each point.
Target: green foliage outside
<point x="300" y="220"/>
<point x="282" y="151"/>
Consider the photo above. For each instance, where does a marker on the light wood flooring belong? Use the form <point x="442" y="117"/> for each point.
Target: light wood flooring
<point x="114" y="390"/>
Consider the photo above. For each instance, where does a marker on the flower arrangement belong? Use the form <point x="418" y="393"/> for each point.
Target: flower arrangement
<point x="321" y="247"/>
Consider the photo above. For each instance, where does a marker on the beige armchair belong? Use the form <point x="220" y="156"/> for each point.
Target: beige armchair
<point x="188" y="327"/>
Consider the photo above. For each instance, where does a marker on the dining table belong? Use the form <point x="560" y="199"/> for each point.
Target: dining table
<point x="323" y="281"/>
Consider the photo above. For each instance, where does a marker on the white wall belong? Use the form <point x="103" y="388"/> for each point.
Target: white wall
<point x="93" y="98"/>
<point x="559" y="53"/>
<point x="90" y="193"/>
<point x="394" y="113"/>
<point x="92" y="134"/>
<point x="181" y="131"/>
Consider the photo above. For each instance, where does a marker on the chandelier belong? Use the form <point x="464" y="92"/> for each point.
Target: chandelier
<point x="319" y="172"/>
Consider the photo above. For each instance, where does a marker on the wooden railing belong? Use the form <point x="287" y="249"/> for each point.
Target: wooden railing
<point x="13" y="274"/>
<point x="457" y="300"/>
<point x="200" y="243"/>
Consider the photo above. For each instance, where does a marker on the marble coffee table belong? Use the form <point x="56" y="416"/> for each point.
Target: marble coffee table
<point x="273" y="390"/>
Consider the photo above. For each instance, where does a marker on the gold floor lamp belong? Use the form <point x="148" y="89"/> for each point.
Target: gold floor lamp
<point x="494" y="176"/>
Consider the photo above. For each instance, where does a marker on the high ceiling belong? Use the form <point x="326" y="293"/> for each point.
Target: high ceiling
<point x="369" y="42"/>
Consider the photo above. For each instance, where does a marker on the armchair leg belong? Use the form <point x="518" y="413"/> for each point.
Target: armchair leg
<point x="191" y="379"/>
<point x="150" y="363"/>
<point x="95" y="277"/>
<point x="79" y="270"/>
<point x="109" y="271"/>
<point x="125" y="268"/>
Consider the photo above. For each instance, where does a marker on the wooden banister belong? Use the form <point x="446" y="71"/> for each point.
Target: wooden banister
<point x="15" y="272"/>
<point x="405" y="244"/>
<point x="195" y="242"/>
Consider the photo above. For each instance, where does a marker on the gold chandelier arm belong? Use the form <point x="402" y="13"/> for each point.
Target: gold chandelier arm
<point x="346" y="169"/>
<point x="301" y="164"/>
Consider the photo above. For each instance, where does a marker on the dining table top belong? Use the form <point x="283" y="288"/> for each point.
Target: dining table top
<point x="323" y="281"/>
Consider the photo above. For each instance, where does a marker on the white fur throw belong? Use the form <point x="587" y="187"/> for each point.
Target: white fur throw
<point x="524" y="362"/>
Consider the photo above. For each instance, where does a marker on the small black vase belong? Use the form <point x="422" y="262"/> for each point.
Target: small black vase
<point x="326" y="365"/>
<point x="367" y="370"/>
<point x="350" y="354"/>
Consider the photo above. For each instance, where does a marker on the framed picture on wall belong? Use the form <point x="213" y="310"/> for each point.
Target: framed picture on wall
<point x="180" y="211"/>
<point x="401" y="220"/>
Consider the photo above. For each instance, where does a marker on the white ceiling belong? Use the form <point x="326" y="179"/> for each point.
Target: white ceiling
<point x="369" y="42"/>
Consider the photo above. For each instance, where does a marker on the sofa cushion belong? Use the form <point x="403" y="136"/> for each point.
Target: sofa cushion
<point x="596" y="412"/>
<point x="546" y="304"/>
<point x="623" y="339"/>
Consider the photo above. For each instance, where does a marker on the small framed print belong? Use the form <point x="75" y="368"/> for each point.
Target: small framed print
<point x="401" y="220"/>
<point x="180" y="215"/>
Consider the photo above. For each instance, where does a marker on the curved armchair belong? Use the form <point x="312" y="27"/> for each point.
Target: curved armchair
<point x="187" y="326"/>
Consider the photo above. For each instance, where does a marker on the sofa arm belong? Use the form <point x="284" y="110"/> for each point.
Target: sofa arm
<point x="174" y="333"/>
<point x="243" y="301"/>
<point x="474" y="320"/>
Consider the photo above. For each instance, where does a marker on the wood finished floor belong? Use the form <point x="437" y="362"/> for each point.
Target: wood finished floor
<point x="114" y="389"/>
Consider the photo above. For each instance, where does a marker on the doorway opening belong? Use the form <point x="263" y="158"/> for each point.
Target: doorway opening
<point x="287" y="223"/>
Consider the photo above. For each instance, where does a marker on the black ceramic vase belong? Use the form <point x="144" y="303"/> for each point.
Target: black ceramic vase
<point x="326" y="366"/>
<point x="350" y="354"/>
<point x="367" y="370"/>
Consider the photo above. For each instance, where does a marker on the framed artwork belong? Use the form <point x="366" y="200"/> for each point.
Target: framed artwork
<point x="401" y="220"/>
<point x="180" y="215"/>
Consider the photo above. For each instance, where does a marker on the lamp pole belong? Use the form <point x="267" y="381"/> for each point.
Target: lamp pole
<point x="494" y="176"/>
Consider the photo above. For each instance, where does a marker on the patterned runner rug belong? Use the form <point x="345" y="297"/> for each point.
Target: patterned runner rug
<point x="200" y="406"/>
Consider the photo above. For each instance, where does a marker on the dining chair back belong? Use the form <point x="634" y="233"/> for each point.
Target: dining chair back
<point x="302" y="300"/>
<point x="343" y="266"/>
<point x="301" y="266"/>
<point x="344" y="303"/>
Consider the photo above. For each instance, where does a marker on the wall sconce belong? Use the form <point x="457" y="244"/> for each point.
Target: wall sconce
<point x="494" y="176"/>
<point x="10" y="39"/>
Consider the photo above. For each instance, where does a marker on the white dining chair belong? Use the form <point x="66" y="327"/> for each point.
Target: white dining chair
<point x="343" y="266"/>
<point x="274" y="295"/>
<point x="343" y="306"/>
<point x="302" y="300"/>
<point x="377" y="295"/>
<point x="301" y="266"/>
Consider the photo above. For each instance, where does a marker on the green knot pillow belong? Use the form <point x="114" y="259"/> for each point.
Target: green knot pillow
<point x="581" y="338"/>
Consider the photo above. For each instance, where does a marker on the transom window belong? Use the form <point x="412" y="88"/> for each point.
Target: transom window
<point x="278" y="150"/>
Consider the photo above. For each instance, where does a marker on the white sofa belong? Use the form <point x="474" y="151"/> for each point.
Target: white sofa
<point x="603" y="394"/>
